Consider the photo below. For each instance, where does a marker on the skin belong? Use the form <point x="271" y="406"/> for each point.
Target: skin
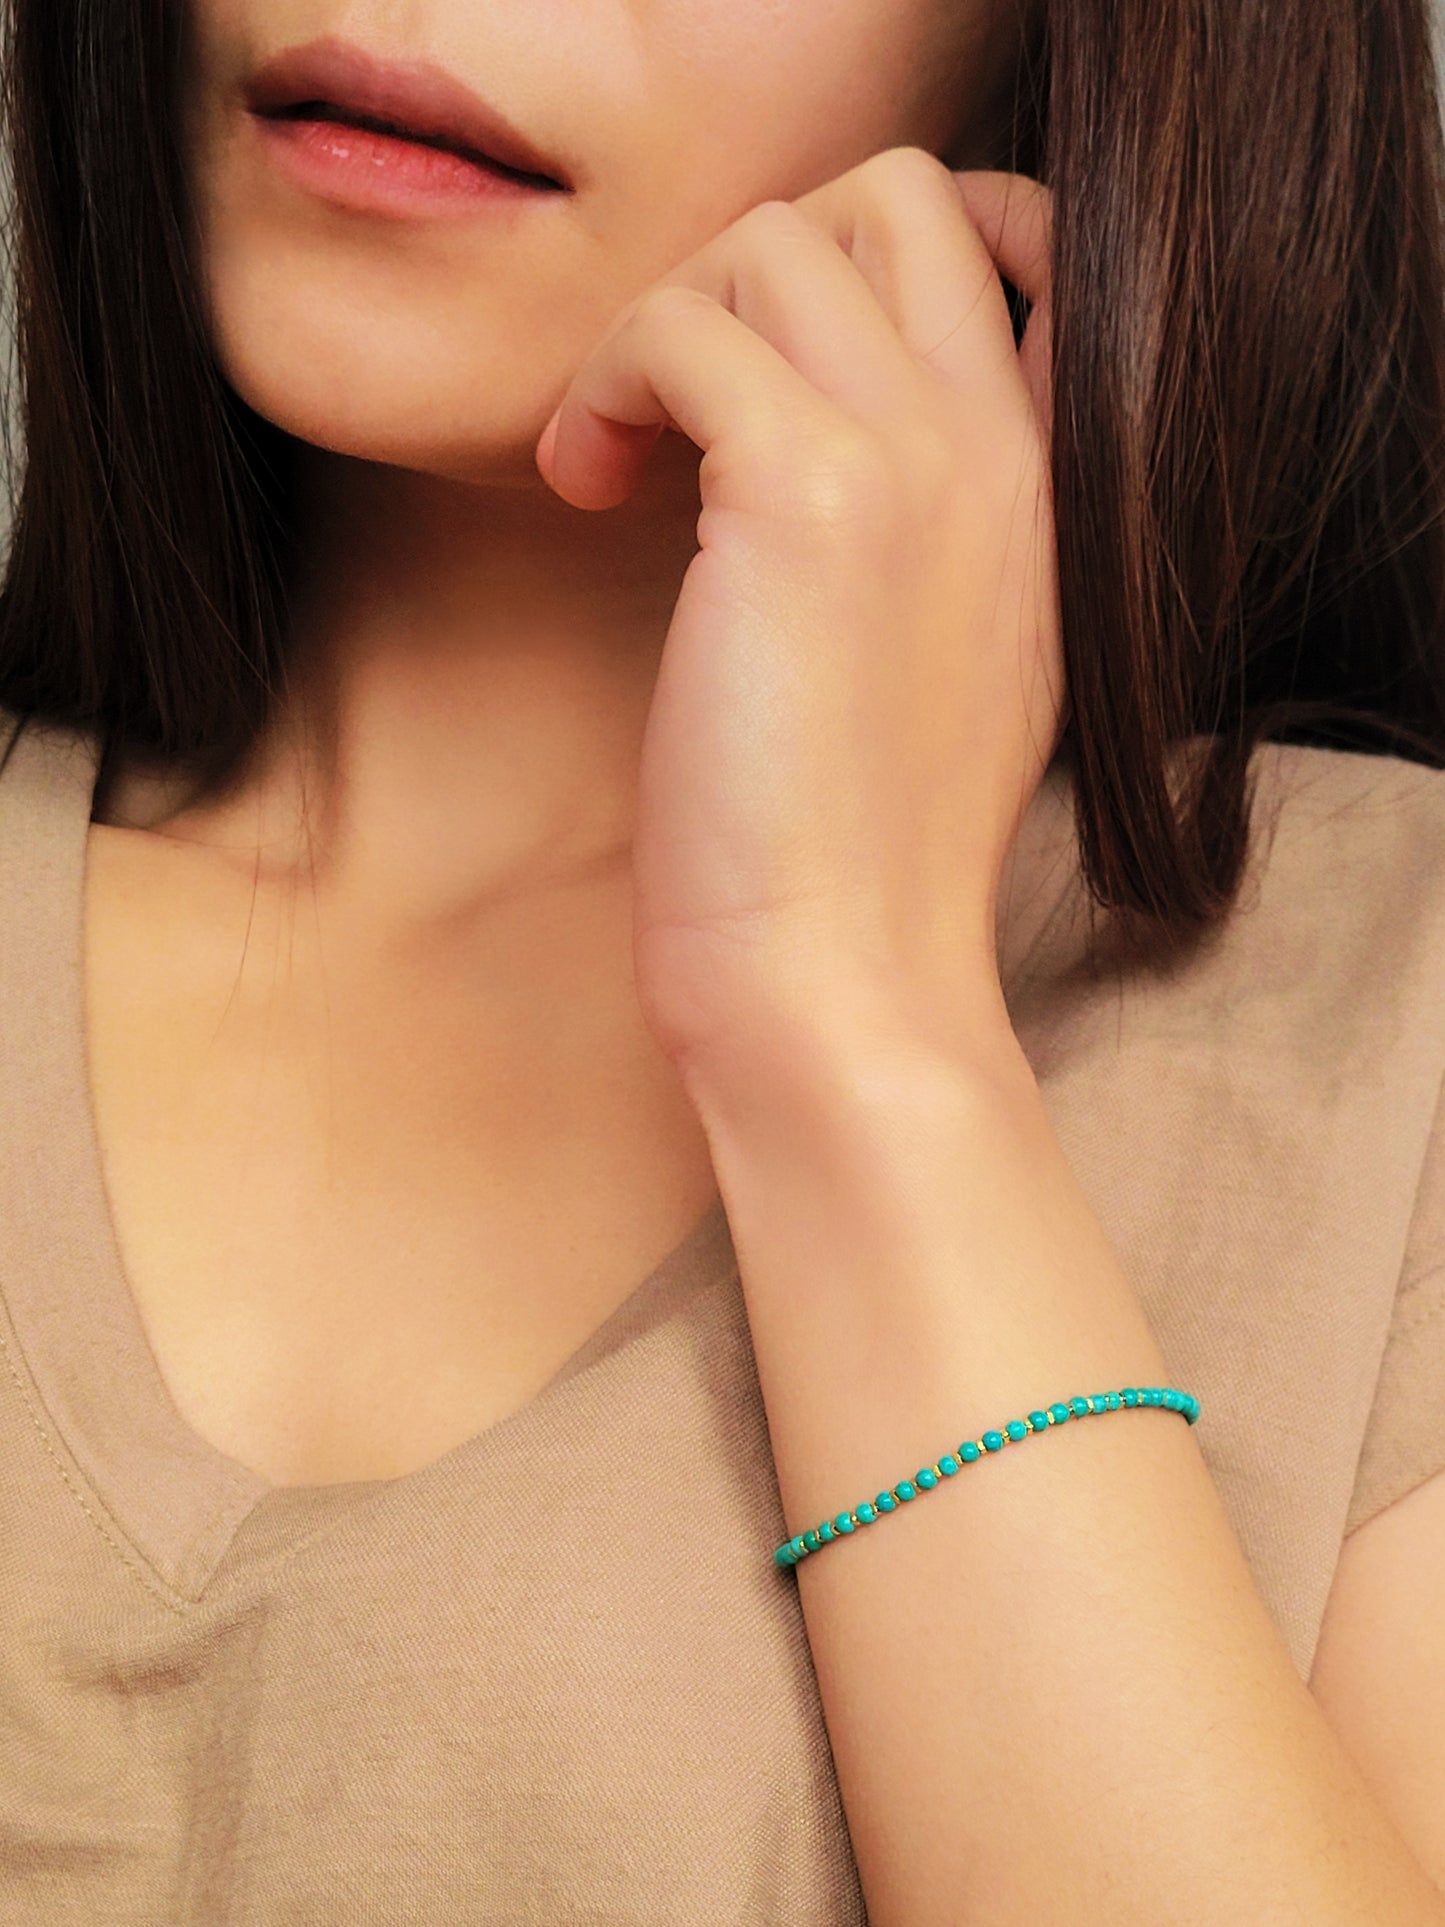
<point x="378" y="997"/>
<point x="477" y="660"/>
<point x="421" y="361"/>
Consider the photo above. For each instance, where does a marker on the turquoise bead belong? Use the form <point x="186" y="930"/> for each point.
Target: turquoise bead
<point x="927" y="1476"/>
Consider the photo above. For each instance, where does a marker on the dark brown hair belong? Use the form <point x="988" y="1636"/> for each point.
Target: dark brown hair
<point x="1249" y="432"/>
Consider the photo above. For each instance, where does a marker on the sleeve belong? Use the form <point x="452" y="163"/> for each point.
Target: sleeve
<point x="1404" y="1439"/>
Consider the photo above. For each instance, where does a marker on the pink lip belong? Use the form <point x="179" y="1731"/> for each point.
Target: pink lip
<point x="399" y="165"/>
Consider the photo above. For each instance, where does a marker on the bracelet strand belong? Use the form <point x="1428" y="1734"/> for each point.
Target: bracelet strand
<point x="927" y="1477"/>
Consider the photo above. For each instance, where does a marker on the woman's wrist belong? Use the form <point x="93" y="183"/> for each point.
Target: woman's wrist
<point x="799" y="1067"/>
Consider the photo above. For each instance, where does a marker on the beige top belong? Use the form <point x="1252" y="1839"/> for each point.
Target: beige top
<point x="555" y="1676"/>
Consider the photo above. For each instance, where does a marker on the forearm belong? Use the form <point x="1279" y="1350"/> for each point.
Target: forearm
<point x="1051" y="1687"/>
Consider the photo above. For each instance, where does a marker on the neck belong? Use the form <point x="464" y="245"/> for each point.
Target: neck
<point x="469" y="674"/>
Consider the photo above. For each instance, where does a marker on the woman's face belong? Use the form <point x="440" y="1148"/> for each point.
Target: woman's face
<point x="441" y="334"/>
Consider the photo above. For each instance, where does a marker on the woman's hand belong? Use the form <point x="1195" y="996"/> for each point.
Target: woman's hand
<point x="862" y="683"/>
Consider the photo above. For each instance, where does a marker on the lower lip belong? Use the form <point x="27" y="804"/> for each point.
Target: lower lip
<point x="372" y="173"/>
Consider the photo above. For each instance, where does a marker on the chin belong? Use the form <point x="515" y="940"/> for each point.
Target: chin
<point x="453" y="385"/>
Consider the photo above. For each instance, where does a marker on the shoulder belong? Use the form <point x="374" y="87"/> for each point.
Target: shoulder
<point x="1327" y="971"/>
<point x="43" y="763"/>
<point x="1341" y="909"/>
<point x="1345" y="862"/>
<point x="1372" y="819"/>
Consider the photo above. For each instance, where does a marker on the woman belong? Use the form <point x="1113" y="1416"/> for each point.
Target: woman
<point x="691" y="676"/>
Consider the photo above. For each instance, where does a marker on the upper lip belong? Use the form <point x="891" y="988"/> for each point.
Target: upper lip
<point x="416" y="97"/>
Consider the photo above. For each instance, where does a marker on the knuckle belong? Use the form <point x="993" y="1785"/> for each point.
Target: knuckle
<point x="840" y="482"/>
<point x="910" y="171"/>
<point x="846" y="484"/>
<point x="774" y="218"/>
<point x="669" y="301"/>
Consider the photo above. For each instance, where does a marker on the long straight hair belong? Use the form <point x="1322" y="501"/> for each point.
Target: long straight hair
<point x="1248" y="434"/>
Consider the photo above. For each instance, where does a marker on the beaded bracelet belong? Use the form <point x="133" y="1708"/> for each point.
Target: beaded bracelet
<point x="924" y="1480"/>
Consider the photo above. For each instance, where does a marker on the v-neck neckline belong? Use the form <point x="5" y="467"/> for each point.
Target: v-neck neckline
<point x="166" y="1495"/>
<point x="176" y="1498"/>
